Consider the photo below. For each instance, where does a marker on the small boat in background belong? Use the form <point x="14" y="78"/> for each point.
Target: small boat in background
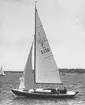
<point x="1" y="71"/>
<point x="2" y="75"/>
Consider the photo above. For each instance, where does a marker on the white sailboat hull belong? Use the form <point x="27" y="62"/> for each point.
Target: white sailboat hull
<point x="40" y="94"/>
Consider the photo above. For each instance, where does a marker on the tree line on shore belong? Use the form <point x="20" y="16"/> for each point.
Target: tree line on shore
<point x="72" y="70"/>
<point x="63" y="70"/>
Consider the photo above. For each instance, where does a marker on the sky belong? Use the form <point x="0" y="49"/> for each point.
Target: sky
<point x="64" y="25"/>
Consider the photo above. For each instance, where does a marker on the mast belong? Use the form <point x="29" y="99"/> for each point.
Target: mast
<point x="35" y="45"/>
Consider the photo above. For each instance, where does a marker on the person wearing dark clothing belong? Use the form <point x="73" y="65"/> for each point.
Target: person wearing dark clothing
<point x="65" y="90"/>
<point x="62" y="91"/>
<point x="53" y="90"/>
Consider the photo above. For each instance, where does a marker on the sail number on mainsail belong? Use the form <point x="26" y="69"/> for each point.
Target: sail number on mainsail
<point x="45" y="50"/>
<point x="42" y="41"/>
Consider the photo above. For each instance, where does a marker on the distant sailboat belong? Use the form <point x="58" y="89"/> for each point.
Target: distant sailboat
<point x="1" y="71"/>
<point x="45" y="69"/>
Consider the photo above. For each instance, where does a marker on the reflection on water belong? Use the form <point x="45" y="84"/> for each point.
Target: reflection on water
<point x="76" y="82"/>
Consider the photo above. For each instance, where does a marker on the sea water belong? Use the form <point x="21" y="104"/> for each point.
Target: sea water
<point x="72" y="81"/>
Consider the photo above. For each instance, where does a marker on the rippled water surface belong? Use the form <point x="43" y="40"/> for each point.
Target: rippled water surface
<point x="72" y="81"/>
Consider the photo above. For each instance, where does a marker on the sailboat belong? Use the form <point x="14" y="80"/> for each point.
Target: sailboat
<point x="1" y="71"/>
<point x="45" y="69"/>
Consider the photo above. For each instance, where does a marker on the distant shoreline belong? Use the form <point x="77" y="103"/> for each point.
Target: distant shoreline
<point x="62" y="70"/>
<point x="78" y="70"/>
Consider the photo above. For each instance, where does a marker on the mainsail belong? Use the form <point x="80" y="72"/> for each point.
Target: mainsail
<point x="27" y="80"/>
<point x="46" y="68"/>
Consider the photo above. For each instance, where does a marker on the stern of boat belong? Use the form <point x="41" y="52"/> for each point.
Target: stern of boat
<point x="72" y="93"/>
